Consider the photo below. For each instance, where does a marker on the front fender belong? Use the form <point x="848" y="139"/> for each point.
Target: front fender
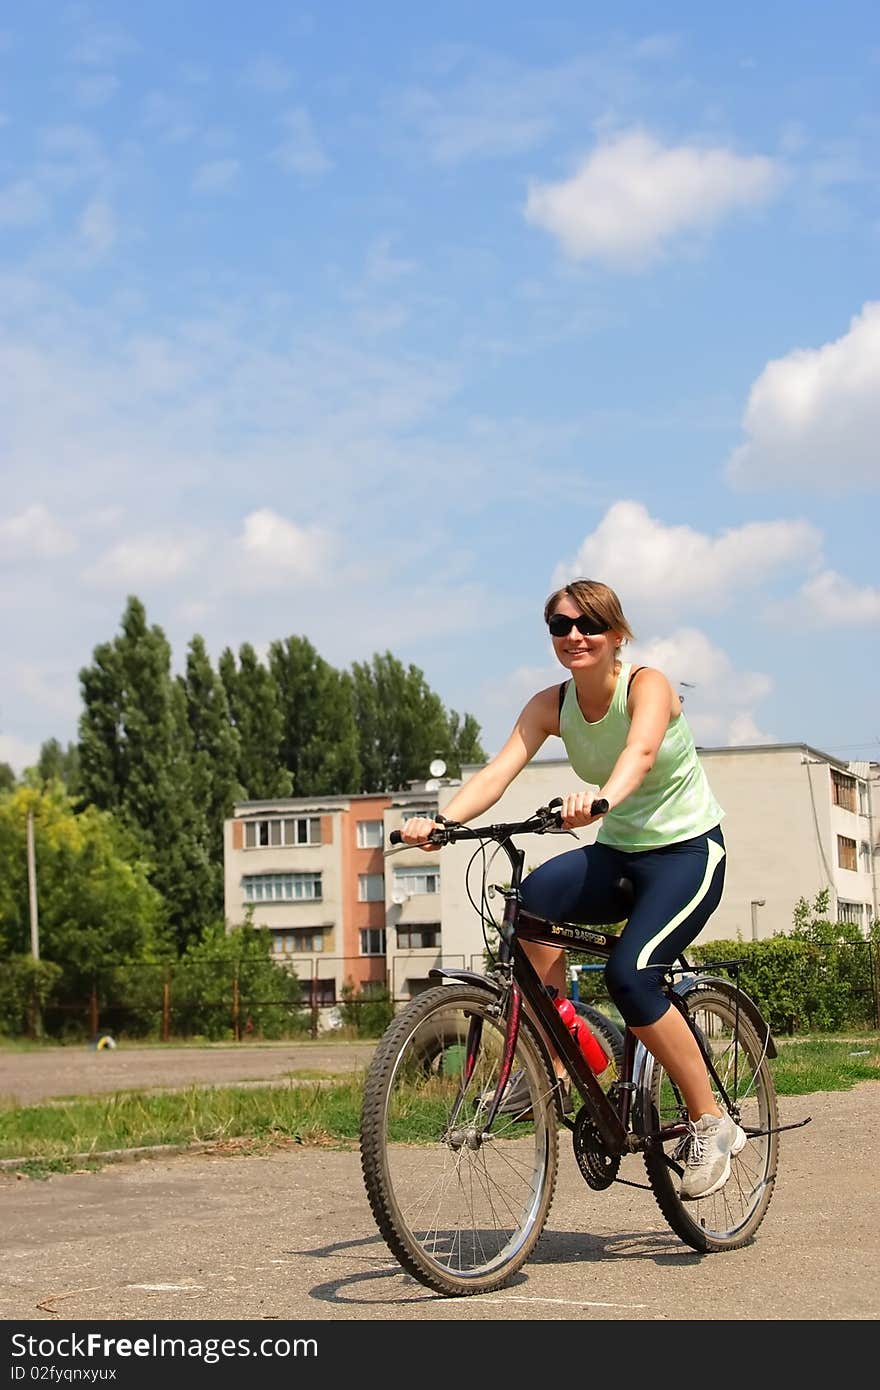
<point x="467" y="977"/>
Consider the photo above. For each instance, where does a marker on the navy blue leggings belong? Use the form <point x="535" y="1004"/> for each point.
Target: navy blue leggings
<point x="677" y="888"/>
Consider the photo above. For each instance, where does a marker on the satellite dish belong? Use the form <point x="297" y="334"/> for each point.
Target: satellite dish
<point x="437" y="767"/>
<point x="398" y="897"/>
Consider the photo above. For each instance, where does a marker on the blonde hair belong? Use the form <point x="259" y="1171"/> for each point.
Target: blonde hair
<point x="596" y="600"/>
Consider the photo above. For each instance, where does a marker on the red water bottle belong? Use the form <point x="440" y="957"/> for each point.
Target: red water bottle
<point x="592" y="1050"/>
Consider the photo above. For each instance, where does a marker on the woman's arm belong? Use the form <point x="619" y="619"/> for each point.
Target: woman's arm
<point x="536" y="722"/>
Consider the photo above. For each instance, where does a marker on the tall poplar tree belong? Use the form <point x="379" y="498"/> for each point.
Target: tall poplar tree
<point x="402" y="725"/>
<point x="319" y="742"/>
<point x="135" y="759"/>
<point x="256" y="717"/>
<point x="214" y="752"/>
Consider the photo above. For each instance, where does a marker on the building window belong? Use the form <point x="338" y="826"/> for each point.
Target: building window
<point x="320" y="993"/>
<point x="843" y="790"/>
<point x="417" y="938"/>
<point x="300" y="941"/>
<point x="277" y="831"/>
<point x="846" y="852"/>
<point x="281" y="888"/>
<point x="373" y="989"/>
<point x="849" y="912"/>
<point x="414" y="880"/>
<point x="373" y="941"/>
<point x="865" y="856"/>
<point x="371" y="888"/>
<point x="370" y="834"/>
<point x="864" y="799"/>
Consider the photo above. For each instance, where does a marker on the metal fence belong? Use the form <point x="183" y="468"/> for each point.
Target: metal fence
<point x="224" y="1000"/>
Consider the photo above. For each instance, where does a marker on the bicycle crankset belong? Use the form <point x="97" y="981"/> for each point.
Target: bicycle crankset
<point x="598" y="1166"/>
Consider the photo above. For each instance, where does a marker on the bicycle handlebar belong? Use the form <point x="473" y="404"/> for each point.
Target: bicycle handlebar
<point x="544" y="819"/>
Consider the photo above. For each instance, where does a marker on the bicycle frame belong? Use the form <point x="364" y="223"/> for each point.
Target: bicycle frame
<point x="611" y="1114"/>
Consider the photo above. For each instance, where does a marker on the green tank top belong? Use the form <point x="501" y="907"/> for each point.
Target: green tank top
<point x="674" y="802"/>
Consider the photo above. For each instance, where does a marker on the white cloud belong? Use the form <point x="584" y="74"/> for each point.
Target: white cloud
<point x="719" y="701"/>
<point x="217" y="176"/>
<point x="813" y="417"/>
<point x="653" y="565"/>
<point x="632" y="196"/>
<point x="143" y="560"/>
<point x="34" y="534"/>
<point x="275" y="550"/>
<point x="300" y="150"/>
<point x="829" y="597"/>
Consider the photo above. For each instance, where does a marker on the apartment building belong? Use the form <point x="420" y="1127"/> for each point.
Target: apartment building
<point x="342" y="912"/>
<point x="312" y="870"/>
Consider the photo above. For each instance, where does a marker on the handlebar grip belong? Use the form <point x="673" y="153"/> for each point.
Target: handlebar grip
<point x="395" y="838"/>
<point x="599" y="806"/>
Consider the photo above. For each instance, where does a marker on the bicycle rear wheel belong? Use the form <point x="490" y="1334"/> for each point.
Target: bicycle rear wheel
<point x="460" y="1208"/>
<point x="728" y="1218"/>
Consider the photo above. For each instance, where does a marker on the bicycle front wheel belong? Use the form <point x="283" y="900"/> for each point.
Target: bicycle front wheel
<point x="460" y="1207"/>
<point x="728" y="1218"/>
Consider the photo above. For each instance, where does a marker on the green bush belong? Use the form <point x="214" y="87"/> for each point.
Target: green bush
<point x="26" y="986"/>
<point x="367" y="1015"/>
<point x="817" y="978"/>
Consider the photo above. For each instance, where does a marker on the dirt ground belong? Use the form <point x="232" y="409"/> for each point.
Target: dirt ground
<point x="26" y="1078"/>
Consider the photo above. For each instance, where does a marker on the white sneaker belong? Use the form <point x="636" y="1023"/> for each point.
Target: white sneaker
<point x="714" y="1139"/>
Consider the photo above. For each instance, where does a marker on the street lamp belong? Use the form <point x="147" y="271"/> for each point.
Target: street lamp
<point x="755" y="904"/>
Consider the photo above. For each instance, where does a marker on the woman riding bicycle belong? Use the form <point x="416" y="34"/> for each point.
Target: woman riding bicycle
<point x="625" y="733"/>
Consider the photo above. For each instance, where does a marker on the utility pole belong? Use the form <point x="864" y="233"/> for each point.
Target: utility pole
<point x="32" y="887"/>
<point x="755" y="904"/>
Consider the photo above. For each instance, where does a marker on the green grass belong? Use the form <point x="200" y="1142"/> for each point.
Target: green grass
<point x="238" y="1119"/>
<point x="825" y="1064"/>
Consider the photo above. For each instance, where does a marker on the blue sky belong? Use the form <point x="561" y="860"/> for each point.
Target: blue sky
<point x="374" y="323"/>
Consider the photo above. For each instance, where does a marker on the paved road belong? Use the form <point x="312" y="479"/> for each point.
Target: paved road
<point x="291" y="1236"/>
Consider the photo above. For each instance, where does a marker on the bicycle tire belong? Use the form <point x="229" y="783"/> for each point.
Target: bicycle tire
<point x="495" y="1192"/>
<point x="729" y="1218"/>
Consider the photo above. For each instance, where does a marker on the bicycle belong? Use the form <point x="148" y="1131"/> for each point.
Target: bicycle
<point x="460" y="1181"/>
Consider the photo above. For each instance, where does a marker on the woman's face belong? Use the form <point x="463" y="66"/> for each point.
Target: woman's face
<point x="579" y="651"/>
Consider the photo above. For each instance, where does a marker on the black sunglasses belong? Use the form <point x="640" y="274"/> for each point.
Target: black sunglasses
<point x="560" y="625"/>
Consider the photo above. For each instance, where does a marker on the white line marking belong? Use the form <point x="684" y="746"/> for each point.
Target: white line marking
<point x="566" y="1302"/>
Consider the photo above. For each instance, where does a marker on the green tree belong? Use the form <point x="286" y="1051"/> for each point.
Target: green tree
<point x="136" y="760"/>
<point x="7" y="778"/>
<point x="214" y="753"/>
<point x="319" y="739"/>
<point x="229" y="973"/>
<point x="95" y="901"/>
<point x="403" y="724"/>
<point x="56" y="764"/>
<point x="256" y="717"/>
<point x="464" y="744"/>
